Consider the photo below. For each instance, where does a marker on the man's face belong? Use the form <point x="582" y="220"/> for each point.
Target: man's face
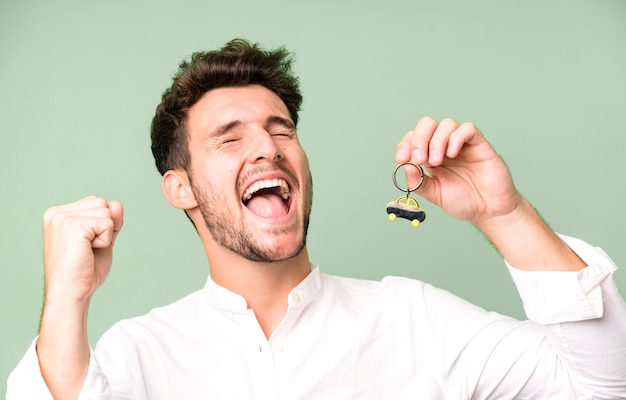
<point x="249" y="174"/>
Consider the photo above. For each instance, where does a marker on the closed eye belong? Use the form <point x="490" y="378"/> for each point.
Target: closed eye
<point x="283" y="134"/>
<point x="281" y="127"/>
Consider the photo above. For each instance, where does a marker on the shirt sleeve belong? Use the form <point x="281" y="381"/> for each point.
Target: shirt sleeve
<point x="26" y="381"/>
<point x="554" y="297"/>
<point x="572" y="347"/>
<point x="584" y="318"/>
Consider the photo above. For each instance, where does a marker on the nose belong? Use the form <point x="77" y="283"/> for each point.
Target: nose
<point x="263" y="146"/>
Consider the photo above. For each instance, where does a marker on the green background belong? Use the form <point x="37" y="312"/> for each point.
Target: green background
<point x="79" y="81"/>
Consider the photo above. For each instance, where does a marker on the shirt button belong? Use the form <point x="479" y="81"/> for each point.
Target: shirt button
<point x="296" y="297"/>
<point x="277" y="348"/>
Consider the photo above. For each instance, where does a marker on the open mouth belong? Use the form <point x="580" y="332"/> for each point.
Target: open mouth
<point x="268" y="198"/>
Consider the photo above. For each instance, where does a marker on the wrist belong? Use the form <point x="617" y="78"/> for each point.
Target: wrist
<point x="528" y="243"/>
<point x="500" y="224"/>
<point x="64" y="314"/>
<point x="63" y="347"/>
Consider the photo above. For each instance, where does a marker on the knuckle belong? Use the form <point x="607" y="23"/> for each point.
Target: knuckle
<point x="53" y="216"/>
<point x="427" y="121"/>
<point x="450" y="122"/>
<point x="469" y="126"/>
<point x="49" y="214"/>
<point x="427" y="118"/>
<point x="100" y="201"/>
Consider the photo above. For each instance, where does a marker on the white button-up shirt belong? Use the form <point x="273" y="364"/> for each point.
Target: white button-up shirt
<point x="344" y="338"/>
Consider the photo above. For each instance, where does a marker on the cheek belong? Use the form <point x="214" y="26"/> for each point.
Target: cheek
<point x="217" y="169"/>
<point x="306" y="169"/>
<point x="303" y="160"/>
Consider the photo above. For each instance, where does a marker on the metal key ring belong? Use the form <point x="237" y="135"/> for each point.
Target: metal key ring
<point x="407" y="190"/>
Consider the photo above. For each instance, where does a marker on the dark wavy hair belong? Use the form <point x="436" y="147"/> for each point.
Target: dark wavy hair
<point x="238" y="63"/>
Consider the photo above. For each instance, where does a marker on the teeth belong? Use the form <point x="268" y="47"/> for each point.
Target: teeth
<point x="267" y="183"/>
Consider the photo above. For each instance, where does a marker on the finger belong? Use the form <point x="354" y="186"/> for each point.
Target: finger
<point x="117" y="215"/>
<point x="466" y="133"/>
<point x="428" y="190"/>
<point x="110" y="228"/>
<point x="438" y="145"/>
<point x="102" y="232"/>
<point x="56" y="219"/>
<point x="89" y="202"/>
<point x="96" y="225"/>
<point x="91" y="205"/>
<point x="403" y="149"/>
<point x="420" y="140"/>
<point x="414" y="177"/>
<point x="85" y="203"/>
<point x="414" y="145"/>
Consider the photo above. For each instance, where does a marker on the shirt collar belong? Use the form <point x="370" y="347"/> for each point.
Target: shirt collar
<point x="307" y="290"/>
<point x="301" y="295"/>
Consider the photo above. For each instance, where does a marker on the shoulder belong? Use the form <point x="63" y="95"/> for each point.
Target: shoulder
<point x="391" y="290"/>
<point x="365" y="286"/>
<point x="159" y="320"/>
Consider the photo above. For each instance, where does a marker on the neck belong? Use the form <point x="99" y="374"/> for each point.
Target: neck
<point x="264" y="286"/>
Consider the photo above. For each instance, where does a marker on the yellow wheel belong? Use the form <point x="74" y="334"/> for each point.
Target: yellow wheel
<point x="415" y="223"/>
<point x="392" y="217"/>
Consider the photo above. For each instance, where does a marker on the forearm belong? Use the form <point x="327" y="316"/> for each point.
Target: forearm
<point x="78" y="250"/>
<point x="527" y="242"/>
<point x="63" y="348"/>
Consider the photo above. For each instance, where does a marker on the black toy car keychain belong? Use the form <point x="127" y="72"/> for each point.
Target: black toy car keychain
<point x="407" y="207"/>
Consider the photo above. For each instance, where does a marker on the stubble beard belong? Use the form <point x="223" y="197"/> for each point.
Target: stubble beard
<point x="232" y="233"/>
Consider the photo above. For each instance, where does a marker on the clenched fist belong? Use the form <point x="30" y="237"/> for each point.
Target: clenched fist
<point x="78" y="244"/>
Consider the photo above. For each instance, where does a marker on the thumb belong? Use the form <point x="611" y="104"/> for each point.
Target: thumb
<point x="105" y="230"/>
<point x="117" y="215"/>
<point x="415" y="176"/>
<point x="420" y="183"/>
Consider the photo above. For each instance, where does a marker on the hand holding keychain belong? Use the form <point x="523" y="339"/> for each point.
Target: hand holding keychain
<point x="407" y="207"/>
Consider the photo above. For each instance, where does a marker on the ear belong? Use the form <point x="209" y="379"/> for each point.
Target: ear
<point x="177" y="189"/>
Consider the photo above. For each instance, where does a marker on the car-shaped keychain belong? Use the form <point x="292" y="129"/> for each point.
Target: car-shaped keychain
<point x="407" y="207"/>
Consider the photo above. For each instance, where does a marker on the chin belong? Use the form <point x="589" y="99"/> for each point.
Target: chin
<point x="277" y="249"/>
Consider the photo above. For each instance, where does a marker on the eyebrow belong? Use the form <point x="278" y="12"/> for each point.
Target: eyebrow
<point x="280" y="121"/>
<point x="223" y="129"/>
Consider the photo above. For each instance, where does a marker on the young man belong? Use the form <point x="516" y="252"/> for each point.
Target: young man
<point x="268" y="324"/>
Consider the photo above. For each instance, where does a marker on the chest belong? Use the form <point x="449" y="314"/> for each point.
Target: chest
<point x="335" y="354"/>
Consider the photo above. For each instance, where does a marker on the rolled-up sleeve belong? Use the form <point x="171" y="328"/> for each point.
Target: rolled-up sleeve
<point x="26" y="380"/>
<point x="584" y="317"/>
<point x="552" y="297"/>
